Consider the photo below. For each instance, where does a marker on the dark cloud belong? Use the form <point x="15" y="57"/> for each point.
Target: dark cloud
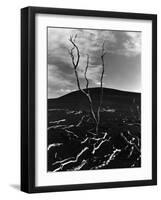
<point x="122" y="59"/>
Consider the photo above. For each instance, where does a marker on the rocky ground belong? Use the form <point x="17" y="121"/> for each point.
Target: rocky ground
<point x="74" y="145"/>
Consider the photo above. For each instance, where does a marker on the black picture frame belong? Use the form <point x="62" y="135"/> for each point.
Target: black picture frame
<point x="28" y="98"/>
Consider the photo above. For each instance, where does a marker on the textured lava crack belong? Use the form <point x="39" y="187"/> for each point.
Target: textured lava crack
<point x="69" y="160"/>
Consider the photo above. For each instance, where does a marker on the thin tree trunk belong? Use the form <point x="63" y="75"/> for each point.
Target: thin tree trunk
<point x="85" y="73"/>
<point x="75" y="64"/>
<point x="88" y="97"/>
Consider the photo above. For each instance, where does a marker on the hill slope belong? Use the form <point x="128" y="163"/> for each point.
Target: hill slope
<point x="111" y="98"/>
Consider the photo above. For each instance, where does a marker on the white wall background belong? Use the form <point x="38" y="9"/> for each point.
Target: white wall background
<point x="10" y="99"/>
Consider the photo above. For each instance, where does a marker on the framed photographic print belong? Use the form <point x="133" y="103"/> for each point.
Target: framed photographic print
<point x="88" y="99"/>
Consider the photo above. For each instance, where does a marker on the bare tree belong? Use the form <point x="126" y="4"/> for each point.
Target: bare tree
<point x="75" y="62"/>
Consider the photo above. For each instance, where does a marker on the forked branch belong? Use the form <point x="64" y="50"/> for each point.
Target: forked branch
<point x="85" y="73"/>
<point x="75" y="62"/>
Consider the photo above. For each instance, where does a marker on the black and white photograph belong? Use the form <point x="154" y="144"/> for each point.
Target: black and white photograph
<point x="93" y="99"/>
<point x="89" y="99"/>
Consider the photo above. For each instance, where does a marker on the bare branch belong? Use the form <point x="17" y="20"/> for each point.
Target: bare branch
<point x="75" y="65"/>
<point x="85" y="73"/>
<point x="72" y="40"/>
<point x="103" y="67"/>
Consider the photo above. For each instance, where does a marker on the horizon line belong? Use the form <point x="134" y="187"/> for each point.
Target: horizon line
<point x="139" y="92"/>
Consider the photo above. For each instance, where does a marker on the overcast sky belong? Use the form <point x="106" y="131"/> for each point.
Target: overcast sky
<point x="122" y="60"/>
